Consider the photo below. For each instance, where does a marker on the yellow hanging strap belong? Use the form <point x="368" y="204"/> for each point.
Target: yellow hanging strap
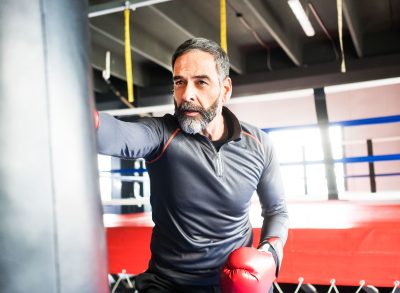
<point x="339" y="4"/>
<point x="223" y="25"/>
<point x="128" y="57"/>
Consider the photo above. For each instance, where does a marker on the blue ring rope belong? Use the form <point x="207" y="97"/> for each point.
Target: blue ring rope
<point x="126" y="171"/>
<point x="366" y="159"/>
<point x="357" y="122"/>
<point x="376" y="175"/>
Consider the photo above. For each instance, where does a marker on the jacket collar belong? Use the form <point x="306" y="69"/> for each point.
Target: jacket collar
<point x="233" y="124"/>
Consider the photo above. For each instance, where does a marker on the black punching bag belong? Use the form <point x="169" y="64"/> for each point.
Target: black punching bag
<point x="51" y="230"/>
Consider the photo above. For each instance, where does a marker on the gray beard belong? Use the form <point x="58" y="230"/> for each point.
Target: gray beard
<point x="193" y="125"/>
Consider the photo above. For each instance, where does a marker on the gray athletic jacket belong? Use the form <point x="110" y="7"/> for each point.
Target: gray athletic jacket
<point x="200" y="197"/>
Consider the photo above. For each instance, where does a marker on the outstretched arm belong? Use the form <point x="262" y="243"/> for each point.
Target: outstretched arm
<point x="129" y="140"/>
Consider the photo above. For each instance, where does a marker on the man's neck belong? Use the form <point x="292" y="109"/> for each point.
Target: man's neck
<point x="216" y="129"/>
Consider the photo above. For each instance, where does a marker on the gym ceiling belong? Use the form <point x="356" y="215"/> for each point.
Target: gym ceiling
<point x="268" y="49"/>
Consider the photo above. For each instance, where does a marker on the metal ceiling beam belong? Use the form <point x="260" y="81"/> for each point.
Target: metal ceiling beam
<point x="277" y="84"/>
<point x="118" y="6"/>
<point x="189" y="23"/>
<point x="288" y="43"/>
<point x="354" y="24"/>
<point x="321" y="75"/>
<point x="142" y="43"/>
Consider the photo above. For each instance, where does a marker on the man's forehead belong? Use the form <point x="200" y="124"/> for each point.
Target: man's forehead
<point x="195" y="58"/>
<point x="198" y="76"/>
<point x="195" y="63"/>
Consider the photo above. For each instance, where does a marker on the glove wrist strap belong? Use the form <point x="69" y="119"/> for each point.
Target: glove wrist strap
<point x="272" y="250"/>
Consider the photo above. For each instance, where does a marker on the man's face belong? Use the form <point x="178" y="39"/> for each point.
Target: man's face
<point x="195" y="124"/>
<point x="199" y="93"/>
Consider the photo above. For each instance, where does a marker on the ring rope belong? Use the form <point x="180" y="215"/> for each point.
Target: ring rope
<point x="301" y="280"/>
<point x="375" y="175"/>
<point x="361" y="159"/>
<point x="278" y="287"/>
<point x="396" y="284"/>
<point x="333" y="286"/>
<point x="374" y="140"/>
<point x="362" y="283"/>
<point x="124" y="178"/>
<point x="344" y="123"/>
<point x="137" y="201"/>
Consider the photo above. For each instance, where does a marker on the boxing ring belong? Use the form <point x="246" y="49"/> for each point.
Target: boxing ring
<point x="349" y="241"/>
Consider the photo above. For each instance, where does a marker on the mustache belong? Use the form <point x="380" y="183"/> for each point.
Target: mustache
<point x="187" y="106"/>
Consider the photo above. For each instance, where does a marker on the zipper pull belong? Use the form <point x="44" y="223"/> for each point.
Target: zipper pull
<point x="219" y="165"/>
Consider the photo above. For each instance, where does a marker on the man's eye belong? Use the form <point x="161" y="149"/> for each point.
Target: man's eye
<point x="202" y="82"/>
<point x="178" y="83"/>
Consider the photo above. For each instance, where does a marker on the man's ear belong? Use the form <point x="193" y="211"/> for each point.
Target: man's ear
<point x="227" y="89"/>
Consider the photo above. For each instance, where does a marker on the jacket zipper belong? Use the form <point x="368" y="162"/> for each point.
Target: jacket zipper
<point x="219" y="165"/>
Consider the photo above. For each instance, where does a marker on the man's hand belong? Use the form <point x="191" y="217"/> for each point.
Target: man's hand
<point x="248" y="270"/>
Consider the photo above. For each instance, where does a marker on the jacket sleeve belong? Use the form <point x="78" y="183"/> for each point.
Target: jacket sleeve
<point x="271" y="193"/>
<point x="128" y="140"/>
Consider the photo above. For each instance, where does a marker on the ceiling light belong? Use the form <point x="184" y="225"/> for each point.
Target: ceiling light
<point x="301" y="16"/>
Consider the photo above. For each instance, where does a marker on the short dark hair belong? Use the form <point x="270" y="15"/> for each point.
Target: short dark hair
<point x="205" y="45"/>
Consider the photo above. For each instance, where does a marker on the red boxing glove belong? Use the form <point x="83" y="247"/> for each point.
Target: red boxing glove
<point x="248" y="270"/>
<point x="96" y="119"/>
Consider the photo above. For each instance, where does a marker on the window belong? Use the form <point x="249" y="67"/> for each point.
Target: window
<point x="301" y="156"/>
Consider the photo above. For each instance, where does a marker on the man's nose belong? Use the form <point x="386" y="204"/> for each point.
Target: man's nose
<point x="189" y="93"/>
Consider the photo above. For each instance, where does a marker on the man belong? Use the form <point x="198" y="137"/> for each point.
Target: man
<point x="204" y="166"/>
